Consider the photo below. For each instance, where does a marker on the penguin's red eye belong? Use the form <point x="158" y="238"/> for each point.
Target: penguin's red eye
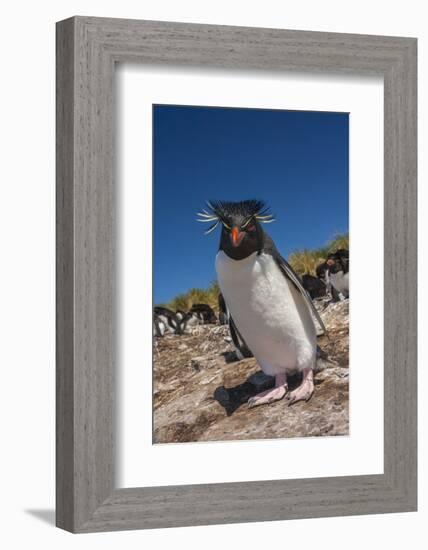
<point x="251" y="227"/>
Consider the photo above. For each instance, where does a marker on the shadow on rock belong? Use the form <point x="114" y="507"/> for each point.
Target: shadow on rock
<point x="232" y="398"/>
<point x="230" y="356"/>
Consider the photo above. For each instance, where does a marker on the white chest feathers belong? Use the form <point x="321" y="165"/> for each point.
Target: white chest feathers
<point x="269" y="311"/>
<point x="340" y="281"/>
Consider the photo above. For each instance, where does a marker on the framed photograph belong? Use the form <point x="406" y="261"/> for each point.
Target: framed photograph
<point x="212" y="306"/>
<point x="220" y="358"/>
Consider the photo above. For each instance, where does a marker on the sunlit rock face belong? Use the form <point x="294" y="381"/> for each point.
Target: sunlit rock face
<point x="201" y="389"/>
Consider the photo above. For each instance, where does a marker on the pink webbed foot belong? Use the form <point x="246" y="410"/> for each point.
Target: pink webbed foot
<point x="305" y="390"/>
<point x="269" y="396"/>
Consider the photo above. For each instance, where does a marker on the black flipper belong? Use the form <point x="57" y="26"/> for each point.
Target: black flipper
<point x="295" y="279"/>
<point x="237" y="339"/>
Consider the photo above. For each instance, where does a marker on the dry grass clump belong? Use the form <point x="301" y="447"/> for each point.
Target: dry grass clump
<point x="306" y="261"/>
<point x="196" y="296"/>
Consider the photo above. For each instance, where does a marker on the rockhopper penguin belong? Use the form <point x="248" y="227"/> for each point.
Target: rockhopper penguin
<point x="338" y="269"/>
<point x="264" y="297"/>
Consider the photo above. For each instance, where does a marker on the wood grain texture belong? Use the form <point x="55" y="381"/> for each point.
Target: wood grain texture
<point x="87" y="49"/>
<point x="64" y="277"/>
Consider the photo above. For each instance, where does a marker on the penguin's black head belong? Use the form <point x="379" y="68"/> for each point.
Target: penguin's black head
<point x="338" y="261"/>
<point x="241" y="232"/>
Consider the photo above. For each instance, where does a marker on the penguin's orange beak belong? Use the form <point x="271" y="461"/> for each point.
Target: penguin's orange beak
<point x="236" y="236"/>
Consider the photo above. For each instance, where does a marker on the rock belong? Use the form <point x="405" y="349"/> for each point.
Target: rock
<point x="197" y="363"/>
<point x="230" y="356"/>
<point x="201" y="389"/>
<point x="203" y="362"/>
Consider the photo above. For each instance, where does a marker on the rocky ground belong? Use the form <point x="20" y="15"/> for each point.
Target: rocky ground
<point x="201" y="389"/>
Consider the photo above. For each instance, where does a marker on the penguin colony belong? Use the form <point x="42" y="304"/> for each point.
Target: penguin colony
<point x="167" y="321"/>
<point x="267" y="306"/>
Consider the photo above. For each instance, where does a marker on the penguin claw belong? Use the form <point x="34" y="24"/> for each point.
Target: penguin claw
<point x="302" y="393"/>
<point x="267" y="397"/>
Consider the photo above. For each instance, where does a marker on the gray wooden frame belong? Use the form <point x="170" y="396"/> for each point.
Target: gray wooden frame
<point x="87" y="50"/>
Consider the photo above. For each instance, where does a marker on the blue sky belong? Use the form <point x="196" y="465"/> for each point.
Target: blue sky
<point x="297" y="161"/>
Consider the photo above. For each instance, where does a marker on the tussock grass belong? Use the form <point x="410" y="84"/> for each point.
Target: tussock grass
<point x="302" y="261"/>
<point x="306" y="261"/>
<point x="196" y="296"/>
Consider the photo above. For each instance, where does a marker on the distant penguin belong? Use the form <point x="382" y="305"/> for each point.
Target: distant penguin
<point x="338" y="271"/>
<point x="205" y="313"/>
<point x="180" y="314"/>
<point x="314" y="286"/>
<point x="190" y="319"/>
<point x="159" y="327"/>
<point x="264" y="297"/>
<point x="322" y="272"/>
<point x="169" y="318"/>
<point x="222" y="315"/>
